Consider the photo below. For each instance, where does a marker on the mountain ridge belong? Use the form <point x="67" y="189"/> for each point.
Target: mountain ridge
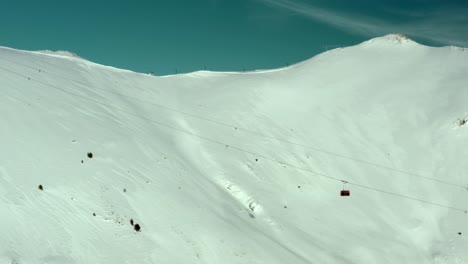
<point x="394" y="40"/>
<point x="236" y="168"/>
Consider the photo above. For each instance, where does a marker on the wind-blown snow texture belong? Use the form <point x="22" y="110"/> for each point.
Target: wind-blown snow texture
<point x="205" y="162"/>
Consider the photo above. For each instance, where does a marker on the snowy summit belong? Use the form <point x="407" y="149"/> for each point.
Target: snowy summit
<point x="100" y="165"/>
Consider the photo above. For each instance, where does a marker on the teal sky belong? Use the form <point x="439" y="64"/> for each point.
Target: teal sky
<point x="231" y="35"/>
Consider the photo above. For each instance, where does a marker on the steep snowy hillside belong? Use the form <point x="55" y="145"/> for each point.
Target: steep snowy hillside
<point x="237" y="167"/>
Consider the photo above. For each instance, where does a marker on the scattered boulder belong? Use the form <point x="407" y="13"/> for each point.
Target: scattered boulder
<point x="137" y="227"/>
<point x="90" y="155"/>
<point x="131" y="222"/>
<point x="40" y="187"/>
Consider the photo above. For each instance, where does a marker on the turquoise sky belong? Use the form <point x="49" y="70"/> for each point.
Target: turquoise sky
<point x="231" y="35"/>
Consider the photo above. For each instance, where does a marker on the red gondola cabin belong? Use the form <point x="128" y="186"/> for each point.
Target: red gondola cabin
<point x="345" y="193"/>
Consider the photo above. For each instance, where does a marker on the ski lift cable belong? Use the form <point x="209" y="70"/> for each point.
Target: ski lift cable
<point x="242" y="150"/>
<point x="259" y="134"/>
<point x="408" y="197"/>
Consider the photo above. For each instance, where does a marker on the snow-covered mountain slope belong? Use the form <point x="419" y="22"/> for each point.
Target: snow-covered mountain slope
<point x="237" y="167"/>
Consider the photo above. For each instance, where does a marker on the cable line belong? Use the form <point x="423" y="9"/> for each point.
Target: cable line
<point x="407" y="197"/>
<point x="261" y="135"/>
<point x="240" y="149"/>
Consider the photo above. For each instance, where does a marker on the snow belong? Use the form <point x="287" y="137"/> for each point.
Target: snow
<point x="237" y="167"/>
<point x="60" y="53"/>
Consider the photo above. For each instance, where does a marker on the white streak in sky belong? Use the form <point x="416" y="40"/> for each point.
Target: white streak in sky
<point x="449" y="27"/>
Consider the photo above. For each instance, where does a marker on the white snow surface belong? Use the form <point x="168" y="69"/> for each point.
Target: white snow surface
<point x="60" y="53"/>
<point x="237" y="167"/>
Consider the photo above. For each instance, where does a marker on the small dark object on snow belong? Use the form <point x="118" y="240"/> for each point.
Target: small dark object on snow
<point x="298" y="186"/>
<point x="94" y="214"/>
<point x="81" y="161"/>
<point x="40" y="187"/>
<point x="137" y="227"/>
<point x="459" y="233"/>
<point x="90" y="155"/>
<point x="131" y="221"/>
<point x="125" y="190"/>
<point x="345" y="193"/>
<point x="256" y="159"/>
